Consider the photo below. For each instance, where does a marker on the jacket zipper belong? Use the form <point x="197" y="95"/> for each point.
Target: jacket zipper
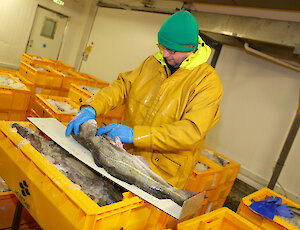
<point x="166" y="71"/>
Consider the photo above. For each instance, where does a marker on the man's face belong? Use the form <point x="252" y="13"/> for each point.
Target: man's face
<point x="174" y="58"/>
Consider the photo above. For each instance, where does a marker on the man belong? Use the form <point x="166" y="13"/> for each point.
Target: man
<point x="171" y="100"/>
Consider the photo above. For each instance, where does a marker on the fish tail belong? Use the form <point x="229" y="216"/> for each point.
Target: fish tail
<point x="179" y="196"/>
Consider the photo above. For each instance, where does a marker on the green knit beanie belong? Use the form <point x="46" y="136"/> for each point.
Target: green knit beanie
<point x="179" y="32"/>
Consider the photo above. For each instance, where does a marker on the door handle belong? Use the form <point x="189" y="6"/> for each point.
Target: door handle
<point x="85" y="56"/>
<point x="30" y="43"/>
<point x="87" y="51"/>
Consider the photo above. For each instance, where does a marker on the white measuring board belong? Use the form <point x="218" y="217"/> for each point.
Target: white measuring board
<point x="56" y="131"/>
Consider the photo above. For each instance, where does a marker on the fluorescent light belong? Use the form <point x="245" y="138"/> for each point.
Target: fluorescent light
<point x="59" y="2"/>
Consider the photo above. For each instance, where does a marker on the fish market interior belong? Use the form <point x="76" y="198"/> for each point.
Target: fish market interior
<point x="145" y="114"/>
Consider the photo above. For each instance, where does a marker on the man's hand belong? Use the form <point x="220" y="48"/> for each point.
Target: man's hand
<point x="85" y="114"/>
<point x="124" y="132"/>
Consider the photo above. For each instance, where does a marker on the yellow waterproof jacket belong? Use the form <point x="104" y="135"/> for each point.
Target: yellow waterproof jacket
<point x="171" y="115"/>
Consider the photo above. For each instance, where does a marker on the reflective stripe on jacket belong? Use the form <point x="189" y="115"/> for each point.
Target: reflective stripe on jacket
<point x="170" y="116"/>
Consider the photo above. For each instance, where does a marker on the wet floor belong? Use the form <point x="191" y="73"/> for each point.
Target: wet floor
<point x="239" y="190"/>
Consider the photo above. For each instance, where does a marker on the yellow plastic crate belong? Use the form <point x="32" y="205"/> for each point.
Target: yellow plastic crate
<point x="209" y="179"/>
<point x="32" y="113"/>
<point x="29" y="85"/>
<point x="47" y="90"/>
<point x="92" y="78"/>
<point x="230" y="171"/>
<point x="221" y="219"/>
<point x="51" y="91"/>
<point x="8" y="71"/>
<point x="80" y="95"/>
<point x="70" y="77"/>
<point x="55" y="204"/>
<point x="40" y="78"/>
<point x="209" y="206"/>
<point x="203" y="208"/>
<point x="221" y="192"/>
<point x="13" y="115"/>
<point x="75" y="78"/>
<point x="216" y="204"/>
<point x="60" y="65"/>
<point x="25" y="81"/>
<point x="34" y="59"/>
<point x="8" y="202"/>
<point x="257" y="219"/>
<point x="12" y="98"/>
<point x="45" y="109"/>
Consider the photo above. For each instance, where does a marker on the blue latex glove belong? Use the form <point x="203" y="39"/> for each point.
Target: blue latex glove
<point x="124" y="132"/>
<point x="85" y="114"/>
<point x="284" y="210"/>
<point x="264" y="208"/>
<point x="271" y="207"/>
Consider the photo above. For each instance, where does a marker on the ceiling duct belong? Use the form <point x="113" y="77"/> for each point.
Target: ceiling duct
<point x="276" y="38"/>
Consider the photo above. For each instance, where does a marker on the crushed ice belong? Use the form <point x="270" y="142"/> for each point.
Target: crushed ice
<point x="8" y="82"/>
<point x="214" y="157"/>
<point x="62" y="106"/>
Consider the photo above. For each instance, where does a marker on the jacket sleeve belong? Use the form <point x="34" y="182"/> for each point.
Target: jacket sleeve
<point x="115" y="94"/>
<point x="201" y="113"/>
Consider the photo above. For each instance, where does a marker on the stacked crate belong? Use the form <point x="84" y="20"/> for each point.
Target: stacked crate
<point x="219" y="219"/>
<point x="43" y="77"/>
<point x="278" y="223"/>
<point x="215" y="179"/>
<point x="60" y="65"/>
<point x="55" y="78"/>
<point x="80" y="95"/>
<point x="61" y="108"/>
<point x="78" y="78"/>
<point x="14" y="97"/>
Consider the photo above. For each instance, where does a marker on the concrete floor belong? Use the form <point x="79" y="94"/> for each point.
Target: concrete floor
<point x="239" y="190"/>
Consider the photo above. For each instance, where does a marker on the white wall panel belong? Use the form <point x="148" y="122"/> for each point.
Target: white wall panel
<point x="122" y="40"/>
<point x="258" y="106"/>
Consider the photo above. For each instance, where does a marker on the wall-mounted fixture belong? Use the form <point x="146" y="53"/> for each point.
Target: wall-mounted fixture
<point x="59" y="2"/>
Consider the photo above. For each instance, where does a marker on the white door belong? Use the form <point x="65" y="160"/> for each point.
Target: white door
<point x="47" y="33"/>
<point x="119" y="41"/>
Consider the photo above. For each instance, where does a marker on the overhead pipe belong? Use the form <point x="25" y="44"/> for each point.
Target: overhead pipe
<point x="270" y="58"/>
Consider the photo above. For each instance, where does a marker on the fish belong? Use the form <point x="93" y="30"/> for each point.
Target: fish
<point x="214" y="157"/>
<point x="125" y="166"/>
<point x="100" y="189"/>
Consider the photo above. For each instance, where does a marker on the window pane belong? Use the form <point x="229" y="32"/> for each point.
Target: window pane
<point x="48" y="29"/>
